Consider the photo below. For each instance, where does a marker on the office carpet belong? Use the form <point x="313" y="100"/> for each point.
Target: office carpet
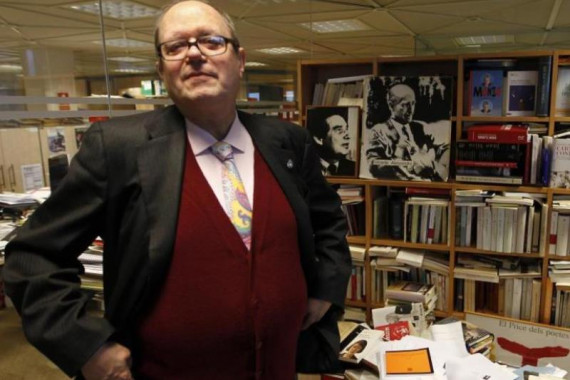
<point x="18" y="359"/>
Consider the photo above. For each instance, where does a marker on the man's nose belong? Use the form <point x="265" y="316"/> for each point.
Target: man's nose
<point x="193" y="52"/>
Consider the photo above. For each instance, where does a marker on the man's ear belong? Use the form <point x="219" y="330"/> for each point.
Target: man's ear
<point x="241" y="57"/>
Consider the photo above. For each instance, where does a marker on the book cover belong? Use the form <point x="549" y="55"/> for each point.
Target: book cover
<point x="365" y="342"/>
<point x="486" y="93"/>
<point x="497" y="133"/>
<point x="520" y="99"/>
<point x="395" y="331"/>
<point x="406" y="129"/>
<point x="560" y="164"/>
<point x="410" y="291"/>
<point x="563" y="92"/>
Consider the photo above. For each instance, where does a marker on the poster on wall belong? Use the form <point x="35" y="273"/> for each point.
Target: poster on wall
<point x="32" y="177"/>
<point x="520" y="343"/>
<point x="335" y="134"/>
<point x="406" y="128"/>
<point x="56" y="140"/>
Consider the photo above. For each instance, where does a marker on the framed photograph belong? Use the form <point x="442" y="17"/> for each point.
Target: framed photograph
<point x="335" y="134"/>
<point x="406" y="128"/>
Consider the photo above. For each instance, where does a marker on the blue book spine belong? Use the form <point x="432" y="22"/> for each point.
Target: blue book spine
<point x="545" y="168"/>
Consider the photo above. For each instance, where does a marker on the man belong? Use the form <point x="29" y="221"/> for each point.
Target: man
<point x="330" y="133"/>
<point x="212" y="266"/>
<point x="400" y="148"/>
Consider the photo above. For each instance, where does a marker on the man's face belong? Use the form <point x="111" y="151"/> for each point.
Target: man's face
<point x="404" y="104"/>
<point x="337" y="136"/>
<point x="197" y="77"/>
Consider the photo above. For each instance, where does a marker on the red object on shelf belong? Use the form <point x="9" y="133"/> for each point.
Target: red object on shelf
<point x="495" y="133"/>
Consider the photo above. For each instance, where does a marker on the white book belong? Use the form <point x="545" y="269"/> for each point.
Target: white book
<point x="553" y="231"/>
<point x="520" y="230"/>
<point x="562" y="235"/>
<point x="560" y="164"/>
<point x="543" y="229"/>
<point x="508" y="229"/>
<point x="494" y="223"/>
<point x="536" y="145"/>
<point x="517" y="298"/>
<point x="487" y="228"/>
<point x="409" y="257"/>
<point x="500" y="229"/>
<point x="431" y="223"/>
<point x="529" y="229"/>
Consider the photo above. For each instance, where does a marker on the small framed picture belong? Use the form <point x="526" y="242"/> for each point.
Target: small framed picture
<point x="335" y="134"/>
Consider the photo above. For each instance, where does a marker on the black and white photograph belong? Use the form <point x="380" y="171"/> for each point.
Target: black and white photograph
<point x="406" y="128"/>
<point x="335" y="134"/>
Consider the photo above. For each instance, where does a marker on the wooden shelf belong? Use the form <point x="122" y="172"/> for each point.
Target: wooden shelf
<point x="457" y="66"/>
<point x="403" y="244"/>
<point x="494" y="253"/>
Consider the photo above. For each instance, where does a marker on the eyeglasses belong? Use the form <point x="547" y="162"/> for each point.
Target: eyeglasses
<point x="207" y="45"/>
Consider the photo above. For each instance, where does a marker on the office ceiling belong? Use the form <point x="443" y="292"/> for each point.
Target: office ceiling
<point x="392" y="27"/>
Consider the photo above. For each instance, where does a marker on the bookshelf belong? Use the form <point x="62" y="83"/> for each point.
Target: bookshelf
<point x="311" y="72"/>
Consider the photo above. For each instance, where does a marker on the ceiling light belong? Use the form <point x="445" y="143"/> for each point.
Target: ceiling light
<point x="10" y="68"/>
<point x="484" y="40"/>
<point x="335" y="26"/>
<point x="121" y="9"/>
<point x="254" y="64"/>
<point x="279" y="50"/>
<point x="126" y="43"/>
<point x="131" y="70"/>
<point x="127" y="59"/>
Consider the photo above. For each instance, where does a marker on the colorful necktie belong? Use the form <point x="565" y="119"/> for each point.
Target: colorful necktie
<point x="237" y="204"/>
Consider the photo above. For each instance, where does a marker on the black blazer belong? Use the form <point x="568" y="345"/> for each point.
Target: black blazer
<point x="124" y="185"/>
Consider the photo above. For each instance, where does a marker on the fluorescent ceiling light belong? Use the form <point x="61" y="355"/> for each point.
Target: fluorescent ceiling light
<point x="254" y="64"/>
<point x="484" y="40"/>
<point x="335" y="26"/>
<point x="10" y="68"/>
<point x="132" y="70"/>
<point x="119" y="9"/>
<point x="280" y="50"/>
<point x="126" y="43"/>
<point x="127" y="59"/>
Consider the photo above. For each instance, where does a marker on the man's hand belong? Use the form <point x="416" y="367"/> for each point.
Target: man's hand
<point x="111" y="362"/>
<point x="315" y="311"/>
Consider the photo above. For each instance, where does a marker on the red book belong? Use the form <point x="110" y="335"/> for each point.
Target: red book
<point x="495" y="133"/>
<point x="426" y="191"/>
<point x="486" y="164"/>
<point x="395" y="331"/>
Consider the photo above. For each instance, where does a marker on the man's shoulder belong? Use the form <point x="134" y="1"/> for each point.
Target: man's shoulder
<point x="269" y="126"/>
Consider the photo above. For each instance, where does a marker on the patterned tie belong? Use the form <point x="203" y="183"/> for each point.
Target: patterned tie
<point x="237" y="204"/>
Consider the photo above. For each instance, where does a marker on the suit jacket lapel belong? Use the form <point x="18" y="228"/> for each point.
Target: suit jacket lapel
<point x="161" y="170"/>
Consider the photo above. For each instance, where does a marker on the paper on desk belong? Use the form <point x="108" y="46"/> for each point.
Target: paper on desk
<point x="476" y="367"/>
<point x="557" y="371"/>
<point x="450" y="334"/>
<point x="439" y="353"/>
<point x="544" y="377"/>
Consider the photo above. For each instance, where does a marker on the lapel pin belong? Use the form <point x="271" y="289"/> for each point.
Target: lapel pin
<point x="290" y="164"/>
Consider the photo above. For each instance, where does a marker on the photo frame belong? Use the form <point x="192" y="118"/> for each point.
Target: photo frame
<point x="335" y="132"/>
<point x="406" y="128"/>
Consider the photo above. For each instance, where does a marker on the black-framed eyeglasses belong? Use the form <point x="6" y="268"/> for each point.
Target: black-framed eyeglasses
<point x="208" y="45"/>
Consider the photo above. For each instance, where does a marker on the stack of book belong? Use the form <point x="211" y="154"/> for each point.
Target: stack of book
<point x="356" y="290"/>
<point x="408" y="293"/>
<point x="353" y="206"/>
<point x="92" y="278"/>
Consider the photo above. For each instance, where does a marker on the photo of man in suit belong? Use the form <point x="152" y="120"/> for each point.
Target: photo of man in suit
<point x="223" y="242"/>
<point x="401" y="147"/>
<point x="335" y="139"/>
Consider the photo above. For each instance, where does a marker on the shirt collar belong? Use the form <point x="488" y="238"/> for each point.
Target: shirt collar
<point x="201" y="140"/>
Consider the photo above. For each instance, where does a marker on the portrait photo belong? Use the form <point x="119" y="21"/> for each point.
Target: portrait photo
<point x="406" y="128"/>
<point x="335" y="134"/>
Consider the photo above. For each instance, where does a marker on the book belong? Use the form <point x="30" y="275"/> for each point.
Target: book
<point x="411" y="292"/>
<point x="560" y="164"/>
<point x="543" y="89"/>
<point x="497" y="133"/>
<point x="395" y="331"/>
<point x="520" y="99"/>
<point x="562" y="107"/>
<point x="486" y="93"/>
<point x="365" y="342"/>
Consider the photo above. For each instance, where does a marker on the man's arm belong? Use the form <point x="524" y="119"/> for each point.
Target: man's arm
<point x="42" y="269"/>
